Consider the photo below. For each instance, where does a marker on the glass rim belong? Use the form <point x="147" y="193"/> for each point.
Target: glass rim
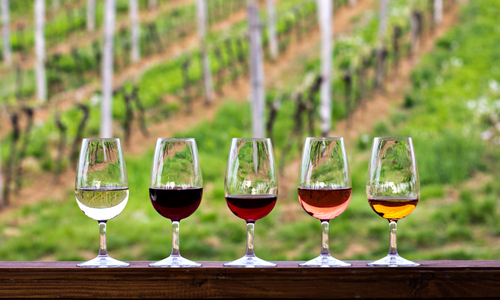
<point x="325" y="138"/>
<point x="392" y="138"/>
<point x="176" y="139"/>
<point x="251" y="139"/>
<point x="100" y="139"/>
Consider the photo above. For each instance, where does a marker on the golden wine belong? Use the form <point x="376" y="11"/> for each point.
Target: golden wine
<point x="393" y="208"/>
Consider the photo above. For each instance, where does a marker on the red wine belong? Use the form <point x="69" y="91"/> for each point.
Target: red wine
<point x="251" y="207"/>
<point x="324" y="203"/>
<point x="176" y="203"/>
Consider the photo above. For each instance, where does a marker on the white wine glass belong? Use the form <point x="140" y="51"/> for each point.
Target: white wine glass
<point x="175" y="190"/>
<point x="393" y="189"/>
<point x="324" y="189"/>
<point x="251" y="188"/>
<point x="101" y="190"/>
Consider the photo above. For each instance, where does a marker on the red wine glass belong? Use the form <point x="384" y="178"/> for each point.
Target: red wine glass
<point x="393" y="189"/>
<point x="251" y="188"/>
<point x="175" y="189"/>
<point x="324" y="189"/>
<point x="101" y="190"/>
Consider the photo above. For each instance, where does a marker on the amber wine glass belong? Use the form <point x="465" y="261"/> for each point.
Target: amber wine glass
<point x="251" y="188"/>
<point x="393" y="189"/>
<point x="101" y="190"/>
<point x="324" y="189"/>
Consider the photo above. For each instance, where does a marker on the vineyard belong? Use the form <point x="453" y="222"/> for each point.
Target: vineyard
<point x="419" y="77"/>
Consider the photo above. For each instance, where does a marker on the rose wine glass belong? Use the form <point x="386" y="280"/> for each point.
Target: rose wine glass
<point x="324" y="189"/>
<point x="101" y="190"/>
<point x="251" y="188"/>
<point x="393" y="189"/>
<point x="175" y="189"/>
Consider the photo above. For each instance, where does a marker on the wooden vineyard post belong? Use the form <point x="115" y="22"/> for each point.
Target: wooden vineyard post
<point x="91" y="15"/>
<point x="7" y="51"/>
<point x="62" y="142"/>
<point x="256" y="71"/>
<point x="134" y="30"/>
<point x="347" y="78"/>
<point x="24" y="146"/>
<point x="396" y="35"/>
<point x="41" y="87"/>
<point x="274" y="106"/>
<point x="107" y="70"/>
<point x="325" y="13"/>
<point x="79" y="133"/>
<point x="202" y="32"/>
<point x="271" y="27"/>
<point x="416" y="28"/>
<point x="438" y="12"/>
<point x="379" y="77"/>
<point x="14" y="120"/>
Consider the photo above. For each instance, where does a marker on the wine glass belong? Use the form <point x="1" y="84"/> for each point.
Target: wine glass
<point x="324" y="189"/>
<point x="393" y="188"/>
<point x="101" y="190"/>
<point x="251" y="189"/>
<point x="175" y="189"/>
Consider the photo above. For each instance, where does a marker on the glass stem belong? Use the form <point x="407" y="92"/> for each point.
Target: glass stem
<point x="393" y="227"/>
<point x="103" y="250"/>
<point x="175" y="238"/>
<point x="250" y="231"/>
<point x="325" y="250"/>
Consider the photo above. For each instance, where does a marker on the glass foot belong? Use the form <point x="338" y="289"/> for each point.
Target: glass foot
<point x="103" y="261"/>
<point x="393" y="261"/>
<point x="249" y="261"/>
<point x="175" y="262"/>
<point x="325" y="261"/>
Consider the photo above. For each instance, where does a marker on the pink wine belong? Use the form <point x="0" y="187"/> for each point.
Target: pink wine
<point x="324" y="203"/>
<point x="251" y="207"/>
<point x="176" y="203"/>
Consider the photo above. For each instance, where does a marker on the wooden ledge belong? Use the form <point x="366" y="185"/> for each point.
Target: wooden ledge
<point x="433" y="279"/>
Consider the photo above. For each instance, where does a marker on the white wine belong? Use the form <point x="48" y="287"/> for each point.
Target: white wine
<point x="102" y="203"/>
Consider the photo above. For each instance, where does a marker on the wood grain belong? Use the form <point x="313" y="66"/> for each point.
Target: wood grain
<point x="434" y="279"/>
